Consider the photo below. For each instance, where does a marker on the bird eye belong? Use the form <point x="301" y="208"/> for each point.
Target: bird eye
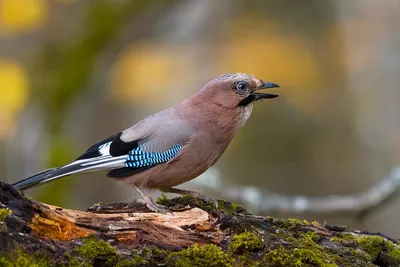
<point x="242" y="86"/>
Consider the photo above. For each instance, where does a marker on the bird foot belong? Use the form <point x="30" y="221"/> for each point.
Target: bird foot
<point x="151" y="205"/>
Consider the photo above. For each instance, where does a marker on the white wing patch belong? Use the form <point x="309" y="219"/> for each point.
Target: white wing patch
<point x="104" y="149"/>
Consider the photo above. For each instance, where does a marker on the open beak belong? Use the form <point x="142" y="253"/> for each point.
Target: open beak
<point x="255" y="95"/>
<point x="265" y="95"/>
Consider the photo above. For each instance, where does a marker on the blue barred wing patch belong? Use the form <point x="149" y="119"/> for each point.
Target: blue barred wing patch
<point x="138" y="158"/>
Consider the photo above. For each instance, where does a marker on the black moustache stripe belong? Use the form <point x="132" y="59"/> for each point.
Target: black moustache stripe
<point x="250" y="98"/>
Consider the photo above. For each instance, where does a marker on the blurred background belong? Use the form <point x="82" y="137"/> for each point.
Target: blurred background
<point x="73" y="72"/>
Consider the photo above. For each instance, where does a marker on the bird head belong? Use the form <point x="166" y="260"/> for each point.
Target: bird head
<point x="238" y="90"/>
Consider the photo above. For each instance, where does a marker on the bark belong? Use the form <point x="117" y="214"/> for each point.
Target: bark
<point x="193" y="234"/>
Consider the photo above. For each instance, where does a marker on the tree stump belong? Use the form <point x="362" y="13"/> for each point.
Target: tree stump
<point x="193" y="234"/>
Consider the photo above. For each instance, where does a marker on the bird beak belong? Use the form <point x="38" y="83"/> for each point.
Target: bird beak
<point x="259" y="96"/>
<point x="255" y="95"/>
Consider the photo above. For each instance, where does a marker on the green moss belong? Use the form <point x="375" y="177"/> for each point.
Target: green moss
<point x="92" y="248"/>
<point x="184" y="200"/>
<point x="245" y="242"/>
<point x="131" y="263"/>
<point x="234" y="206"/>
<point x="347" y="237"/>
<point x="372" y="245"/>
<point x="199" y="256"/>
<point x="74" y="262"/>
<point x="302" y="251"/>
<point x="19" y="258"/>
<point x="225" y="207"/>
<point x="311" y="235"/>
<point x="315" y="223"/>
<point x="343" y="238"/>
<point x="281" y="257"/>
<point x="395" y="253"/>
<point x="162" y="200"/>
<point x="336" y="239"/>
<point x="296" y="222"/>
<point x="231" y="208"/>
<point x="247" y="261"/>
<point x="4" y="212"/>
<point x="290" y="224"/>
<point x="140" y="260"/>
<point x="364" y="249"/>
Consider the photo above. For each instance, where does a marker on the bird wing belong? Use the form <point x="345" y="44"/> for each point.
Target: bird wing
<point x="144" y="145"/>
<point x="155" y="140"/>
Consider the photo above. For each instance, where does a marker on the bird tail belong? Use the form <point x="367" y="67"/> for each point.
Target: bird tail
<point x="78" y="166"/>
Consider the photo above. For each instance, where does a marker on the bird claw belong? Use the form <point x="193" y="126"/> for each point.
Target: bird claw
<point x="151" y="205"/>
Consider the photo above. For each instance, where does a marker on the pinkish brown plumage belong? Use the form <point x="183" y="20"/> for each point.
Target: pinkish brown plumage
<point x="172" y="146"/>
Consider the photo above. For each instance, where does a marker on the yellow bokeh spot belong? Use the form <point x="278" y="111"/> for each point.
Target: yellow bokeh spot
<point x="13" y="94"/>
<point x="66" y="2"/>
<point x="17" y="16"/>
<point x="275" y="56"/>
<point x="143" y="71"/>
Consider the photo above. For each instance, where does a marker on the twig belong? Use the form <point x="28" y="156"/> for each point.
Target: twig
<point x="361" y="204"/>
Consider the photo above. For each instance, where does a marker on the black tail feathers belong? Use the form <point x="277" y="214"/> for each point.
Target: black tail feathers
<point x="47" y="176"/>
<point x="79" y="166"/>
<point x="34" y="179"/>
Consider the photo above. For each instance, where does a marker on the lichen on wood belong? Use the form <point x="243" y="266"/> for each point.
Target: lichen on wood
<point x="195" y="234"/>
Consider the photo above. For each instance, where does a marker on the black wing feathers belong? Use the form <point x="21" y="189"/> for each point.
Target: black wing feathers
<point x="117" y="147"/>
<point x="93" y="151"/>
<point x="126" y="171"/>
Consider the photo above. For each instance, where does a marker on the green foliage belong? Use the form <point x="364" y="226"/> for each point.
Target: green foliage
<point x="200" y="256"/>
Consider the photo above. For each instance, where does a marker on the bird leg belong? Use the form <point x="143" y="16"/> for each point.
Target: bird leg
<point x="190" y="193"/>
<point x="150" y="204"/>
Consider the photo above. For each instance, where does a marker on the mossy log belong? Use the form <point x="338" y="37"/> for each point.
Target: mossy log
<point x="194" y="234"/>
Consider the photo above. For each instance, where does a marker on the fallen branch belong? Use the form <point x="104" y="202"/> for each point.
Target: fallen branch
<point x="360" y="204"/>
<point x="195" y="234"/>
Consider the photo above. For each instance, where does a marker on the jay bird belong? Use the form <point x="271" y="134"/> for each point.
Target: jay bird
<point x="172" y="146"/>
